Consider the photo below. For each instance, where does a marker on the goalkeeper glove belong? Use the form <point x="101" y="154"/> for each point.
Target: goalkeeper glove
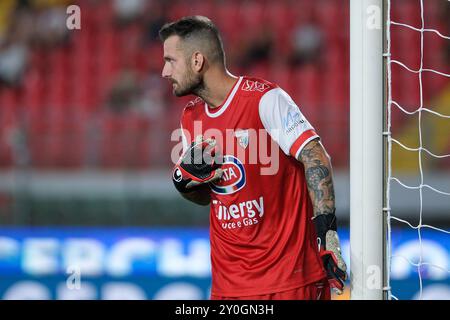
<point x="197" y="166"/>
<point x="330" y="251"/>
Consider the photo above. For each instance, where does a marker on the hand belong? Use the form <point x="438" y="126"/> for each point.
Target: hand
<point x="197" y="165"/>
<point x="333" y="262"/>
<point x="330" y="251"/>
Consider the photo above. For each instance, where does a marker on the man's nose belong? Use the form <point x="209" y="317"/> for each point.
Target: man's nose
<point x="165" y="72"/>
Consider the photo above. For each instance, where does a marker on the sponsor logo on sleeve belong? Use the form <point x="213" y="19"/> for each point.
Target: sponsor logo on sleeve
<point x="292" y="120"/>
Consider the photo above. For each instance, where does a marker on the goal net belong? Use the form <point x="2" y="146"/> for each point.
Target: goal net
<point x="417" y="185"/>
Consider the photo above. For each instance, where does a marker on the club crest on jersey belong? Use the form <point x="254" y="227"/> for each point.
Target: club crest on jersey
<point x="242" y="137"/>
<point x="233" y="178"/>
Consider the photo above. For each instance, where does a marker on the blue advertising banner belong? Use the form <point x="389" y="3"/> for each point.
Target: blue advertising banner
<point x="172" y="263"/>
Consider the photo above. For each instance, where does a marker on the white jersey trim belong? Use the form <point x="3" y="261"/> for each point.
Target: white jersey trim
<point x="227" y="102"/>
<point x="284" y="121"/>
<point x="297" y="153"/>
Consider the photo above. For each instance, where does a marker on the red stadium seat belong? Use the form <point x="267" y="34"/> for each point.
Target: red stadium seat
<point x="251" y="14"/>
<point x="179" y="9"/>
<point x="122" y="146"/>
<point x="306" y="91"/>
<point x="65" y="88"/>
<point x="204" y="8"/>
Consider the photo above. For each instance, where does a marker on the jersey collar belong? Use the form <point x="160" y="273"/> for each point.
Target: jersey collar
<point x="227" y="102"/>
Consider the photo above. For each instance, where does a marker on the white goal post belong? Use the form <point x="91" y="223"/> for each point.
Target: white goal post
<point x="366" y="150"/>
<point x="371" y="141"/>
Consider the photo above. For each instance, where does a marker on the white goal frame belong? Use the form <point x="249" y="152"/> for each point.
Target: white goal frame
<point x="368" y="214"/>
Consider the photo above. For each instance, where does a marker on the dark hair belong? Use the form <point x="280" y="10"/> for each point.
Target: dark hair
<point x="200" y="29"/>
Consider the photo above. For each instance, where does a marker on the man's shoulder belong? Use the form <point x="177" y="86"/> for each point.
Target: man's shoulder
<point x="191" y="110"/>
<point x="193" y="105"/>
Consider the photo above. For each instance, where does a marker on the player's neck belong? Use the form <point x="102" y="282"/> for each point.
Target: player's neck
<point x="217" y="87"/>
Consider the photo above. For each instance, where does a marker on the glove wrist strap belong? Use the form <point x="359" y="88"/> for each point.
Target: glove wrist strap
<point x="178" y="181"/>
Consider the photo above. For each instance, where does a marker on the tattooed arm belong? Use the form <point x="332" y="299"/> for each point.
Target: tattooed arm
<point x="318" y="174"/>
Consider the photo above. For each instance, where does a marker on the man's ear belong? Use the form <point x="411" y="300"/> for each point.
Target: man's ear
<point x="198" y="61"/>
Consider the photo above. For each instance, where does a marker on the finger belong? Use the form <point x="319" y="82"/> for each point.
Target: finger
<point x="336" y="285"/>
<point x="217" y="175"/>
<point x="209" y="147"/>
<point x="211" y="142"/>
<point x="216" y="165"/>
<point x="339" y="261"/>
<point x="336" y="268"/>
<point x="341" y="274"/>
<point x="336" y="260"/>
<point x="337" y="291"/>
<point x="192" y="184"/>
<point x="199" y="139"/>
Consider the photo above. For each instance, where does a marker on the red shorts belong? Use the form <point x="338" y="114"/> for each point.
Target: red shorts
<point x="315" y="291"/>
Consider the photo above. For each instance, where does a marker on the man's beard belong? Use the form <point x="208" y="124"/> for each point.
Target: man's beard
<point x="193" y="84"/>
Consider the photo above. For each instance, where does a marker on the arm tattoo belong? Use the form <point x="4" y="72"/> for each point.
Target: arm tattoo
<point x="318" y="177"/>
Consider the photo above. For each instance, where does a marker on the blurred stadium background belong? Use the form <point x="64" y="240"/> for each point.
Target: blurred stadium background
<point x="85" y="126"/>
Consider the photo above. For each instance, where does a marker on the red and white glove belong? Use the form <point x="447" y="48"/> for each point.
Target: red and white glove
<point x="330" y="251"/>
<point x="198" y="165"/>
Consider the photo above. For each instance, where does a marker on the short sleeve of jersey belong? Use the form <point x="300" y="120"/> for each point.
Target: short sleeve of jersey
<point x="284" y="121"/>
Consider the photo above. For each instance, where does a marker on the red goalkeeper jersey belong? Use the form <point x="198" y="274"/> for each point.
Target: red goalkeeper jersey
<point x="262" y="236"/>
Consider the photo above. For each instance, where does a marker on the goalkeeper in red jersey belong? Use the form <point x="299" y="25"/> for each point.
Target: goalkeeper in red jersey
<point x="273" y="234"/>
